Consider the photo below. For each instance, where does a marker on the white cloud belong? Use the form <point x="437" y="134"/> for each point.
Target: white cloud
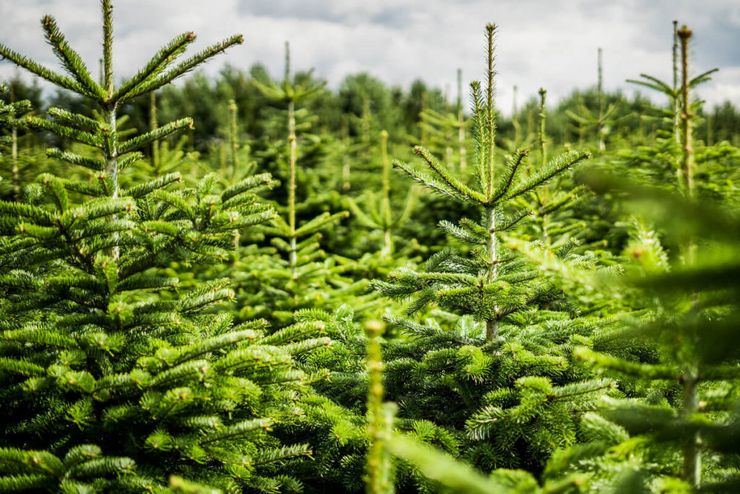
<point x="541" y="42"/>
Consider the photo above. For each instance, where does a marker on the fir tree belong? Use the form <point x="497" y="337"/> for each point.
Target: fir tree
<point x="688" y="402"/>
<point x="435" y="470"/>
<point x="378" y="213"/>
<point x="670" y="143"/>
<point x="11" y="113"/>
<point x="602" y="119"/>
<point x="506" y="360"/>
<point x="471" y="284"/>
<point x="441" y="128"/>
<point x="113" y="378"/>
<point x="683" y="419"/>
<point x="302" y="276"/>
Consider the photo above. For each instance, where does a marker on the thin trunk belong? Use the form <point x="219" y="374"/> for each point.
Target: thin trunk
<point x="110" y="109"/>
<point x="541" y="137"/>
<point x="153" y="124"/>
<point x="16" y="165"/>
<point x="462" y="151"/>
<point x="676" y="101"/>
<point x="686" y="117"/>
<point x="490" y="121"/>
<point x="492" y="247"/>
<point x="692" y="450"/>
<point x="492" y="241"/>
<point x="386" y="213"/>
<point x="111" y="167"/>
<point x="600" y="96"/>
<point x="292" y="153"/>
<point x="541" y="127"/>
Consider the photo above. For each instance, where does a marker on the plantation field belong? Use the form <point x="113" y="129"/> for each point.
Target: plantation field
<point x="241" y="283"/>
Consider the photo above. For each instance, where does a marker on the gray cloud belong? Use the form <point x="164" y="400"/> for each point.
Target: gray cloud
<point x="541" y="42"/>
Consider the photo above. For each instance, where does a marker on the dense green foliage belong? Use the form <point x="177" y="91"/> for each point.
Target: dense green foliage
<point x="252" y="299"/>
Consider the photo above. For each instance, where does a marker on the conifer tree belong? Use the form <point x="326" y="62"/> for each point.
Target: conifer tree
<point x="11" y="113"/>
<point x="298" y="241"/>
<point x="553" y="223"/>
<point x="669" y="143"/>
<point x="682" y="425"/>
<point x="691" y="402"/>
<point x="507" y="359"/>
<point x="113" y="377"/>
<point x="475" y="285"/>
<point x="602" y="119"/>
<point x="292" y="273"/>
<point x="377" y="211"/>
<point x="441" y="129"/>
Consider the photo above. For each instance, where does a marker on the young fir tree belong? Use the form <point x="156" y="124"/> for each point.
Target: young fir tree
<point x="377" y="211"/>
<point x="601" y="120"/>
<point x="113" y="379"/>
<point x="552" y="205"/>
<point x="359" y="151"/>
<point x="665" y="154"/>
<point x="672" y="90"/>
<point x="504" y="374"/>
<point x="11" y="121"/>
<point x="676" y="429"/>
<point x="470" y="283"/>
<point x="168" y="155"/>
<point x="302" y="276"/>
<point x="441" y="129"/>
<point x="691" y="405"/>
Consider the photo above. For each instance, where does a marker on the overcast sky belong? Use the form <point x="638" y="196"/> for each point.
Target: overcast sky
<point x="541" y="42"/>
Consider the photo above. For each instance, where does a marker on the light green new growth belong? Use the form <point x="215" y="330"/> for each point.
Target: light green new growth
<point x="541" y="127"/>
<point x="684" y="34"/>
<point x="153" y="125"/>
<point x="233" y="140"/>
<point x="379" y="468"/>
<point x="462" y="150"/>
